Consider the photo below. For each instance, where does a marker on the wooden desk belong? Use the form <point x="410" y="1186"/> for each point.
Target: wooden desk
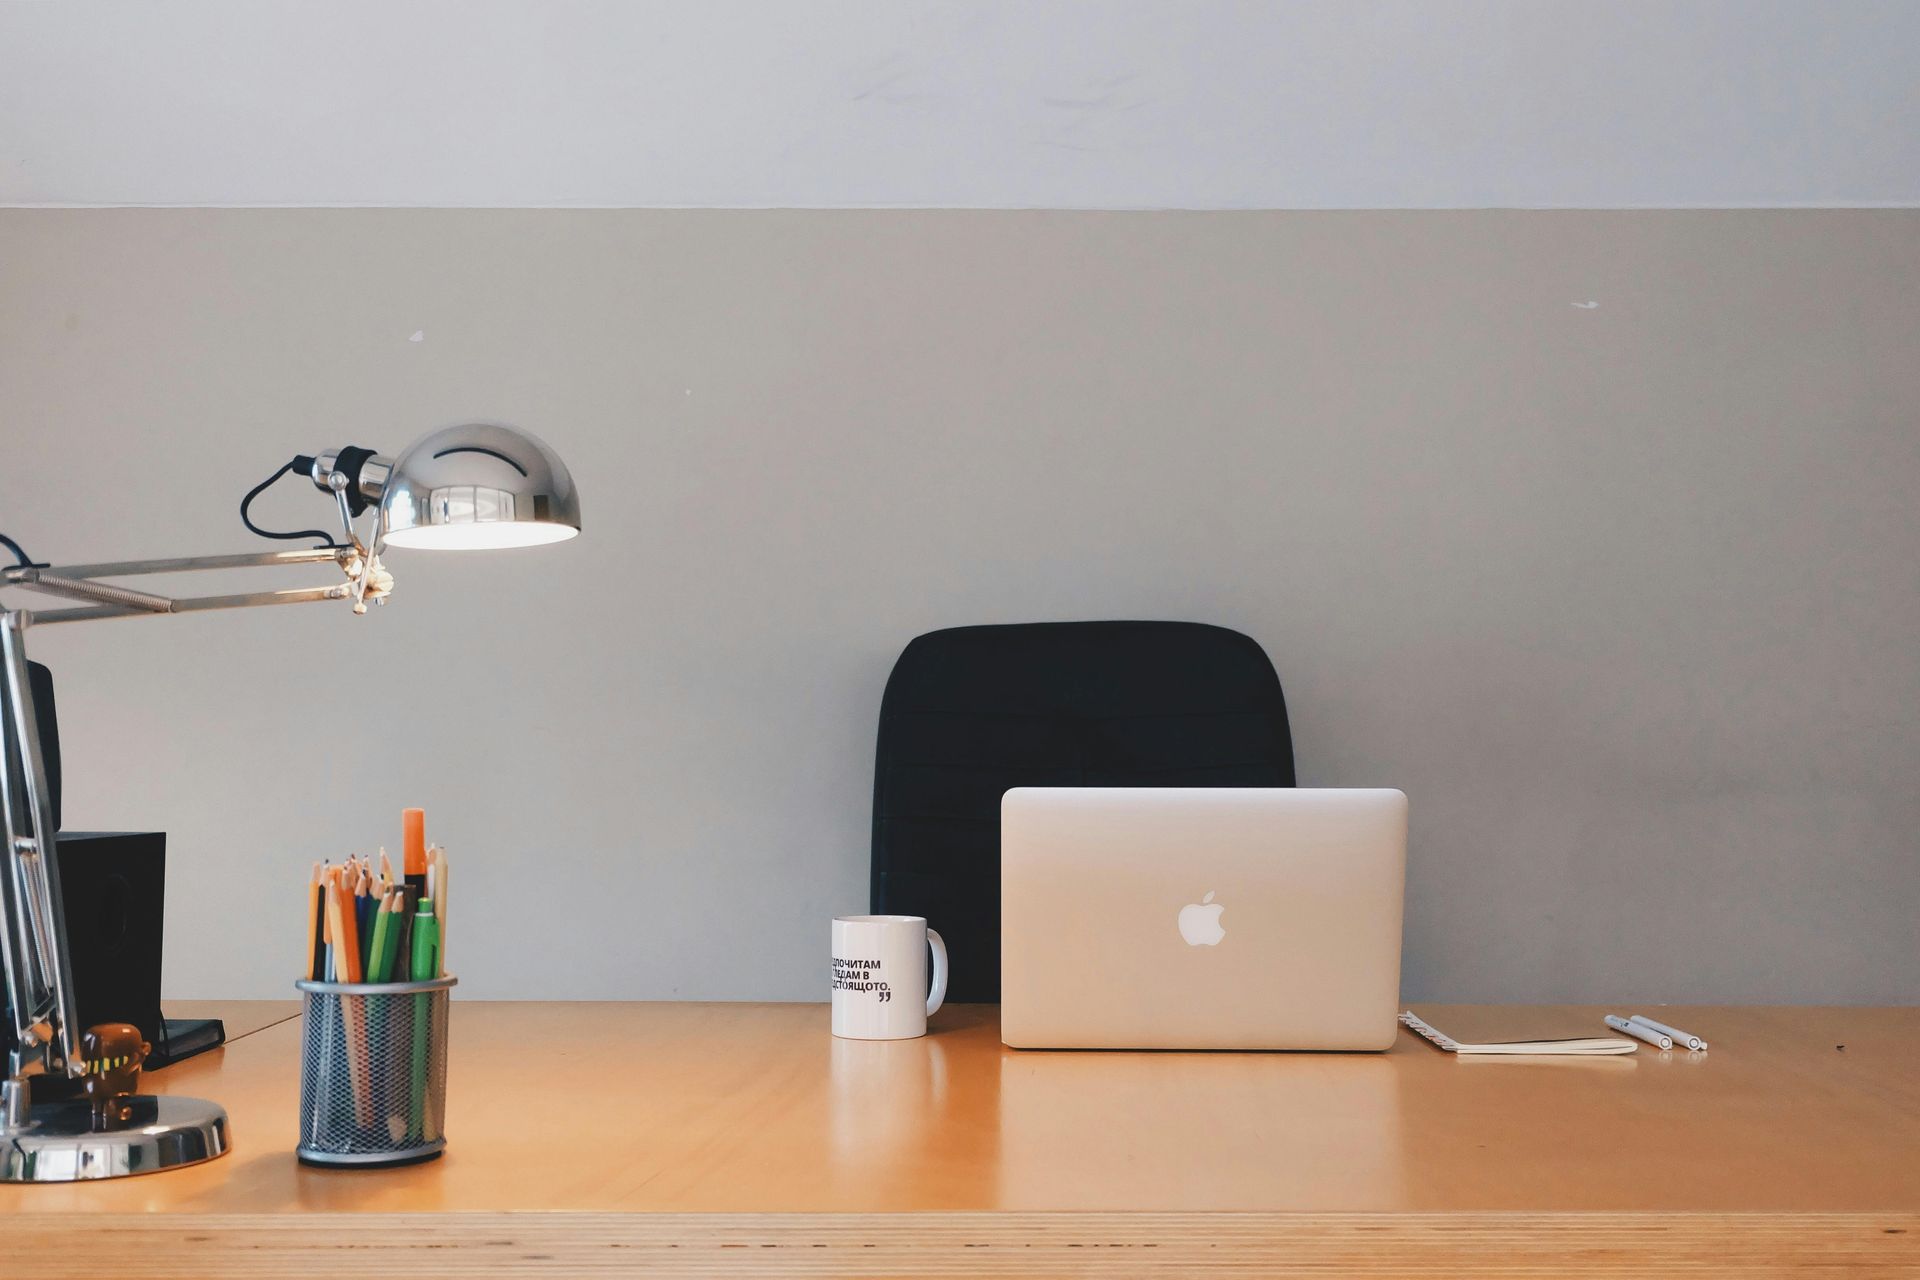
<point x="683" y="1139"/>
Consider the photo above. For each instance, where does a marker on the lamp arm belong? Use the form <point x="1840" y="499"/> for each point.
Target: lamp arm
<point x="33" y="937"/>
<point x="186" y="564"/>
<point x="367" y="580"/>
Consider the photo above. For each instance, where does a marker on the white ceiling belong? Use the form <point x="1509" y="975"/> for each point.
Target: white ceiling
<point x="1028" y="103"/>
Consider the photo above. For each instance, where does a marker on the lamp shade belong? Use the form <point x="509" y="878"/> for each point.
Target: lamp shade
<point x="478" y="486"/>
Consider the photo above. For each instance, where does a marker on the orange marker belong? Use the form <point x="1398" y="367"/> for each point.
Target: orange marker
<point x="413" y="827"/>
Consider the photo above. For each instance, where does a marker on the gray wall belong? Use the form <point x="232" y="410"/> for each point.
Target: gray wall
<point x="1102" y="104"/>
<point x="1622" y="595"/>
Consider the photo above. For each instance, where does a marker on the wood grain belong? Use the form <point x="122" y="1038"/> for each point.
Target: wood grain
<point x="221" y="1247"/>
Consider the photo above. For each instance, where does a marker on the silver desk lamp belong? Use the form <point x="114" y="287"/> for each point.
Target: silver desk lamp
<point x="476" y="486"/>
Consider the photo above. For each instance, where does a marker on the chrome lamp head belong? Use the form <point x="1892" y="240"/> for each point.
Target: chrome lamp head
<point x="478" y="486"/>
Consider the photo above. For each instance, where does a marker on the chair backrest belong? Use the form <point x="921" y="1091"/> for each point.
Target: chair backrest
<point x="971" y="712"/>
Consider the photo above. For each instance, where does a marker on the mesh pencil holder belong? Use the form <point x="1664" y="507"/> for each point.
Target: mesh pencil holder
<point x="373" y="1072"/>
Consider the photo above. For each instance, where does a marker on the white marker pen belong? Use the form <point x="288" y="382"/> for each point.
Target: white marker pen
<point x="1679" y="1036"/>
<point x="1639" y="1032"/>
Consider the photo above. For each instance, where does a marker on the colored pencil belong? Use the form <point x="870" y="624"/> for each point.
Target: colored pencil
<point x="399" y="1028"/>
<point x="382" y="937"/>
<point x="387" y="1079"/>
<point x="316" y="960"/>
<point x="355" y="1008"/>
<point x="337" y="927"/>
<point x="363" y="919"/>
<point x="352" y="1009"/>
<point x="440" y="910"/>
<point x="326" y="922"/>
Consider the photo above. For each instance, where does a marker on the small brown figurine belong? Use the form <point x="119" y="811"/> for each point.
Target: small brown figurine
<point x="111" y="1054"/>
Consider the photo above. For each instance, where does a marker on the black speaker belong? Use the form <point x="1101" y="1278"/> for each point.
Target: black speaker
<point x="113" y="886"/>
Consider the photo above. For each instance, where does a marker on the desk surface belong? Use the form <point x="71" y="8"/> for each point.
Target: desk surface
<point x="755" y="1109"/>
<point x="242" y="1017"/>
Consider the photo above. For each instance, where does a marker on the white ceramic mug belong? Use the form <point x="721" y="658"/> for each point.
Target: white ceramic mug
<point x="880" y="987"/>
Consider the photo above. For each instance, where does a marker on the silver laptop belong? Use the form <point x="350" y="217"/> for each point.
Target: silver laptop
<point x="1201" y="917"/>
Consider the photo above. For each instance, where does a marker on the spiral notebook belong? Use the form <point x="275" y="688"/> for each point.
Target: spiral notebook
<point x="1578" y="1047"/>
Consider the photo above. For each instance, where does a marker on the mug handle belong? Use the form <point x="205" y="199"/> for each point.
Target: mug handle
<point x="937" y="987"/>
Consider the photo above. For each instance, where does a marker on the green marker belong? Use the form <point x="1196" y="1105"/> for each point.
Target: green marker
<point x="381" y="951"/>
<point x="426" y="942"/>
<point x="426" y="966"/>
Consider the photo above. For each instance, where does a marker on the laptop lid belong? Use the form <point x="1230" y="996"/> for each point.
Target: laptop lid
<point x="1201" y="918"/>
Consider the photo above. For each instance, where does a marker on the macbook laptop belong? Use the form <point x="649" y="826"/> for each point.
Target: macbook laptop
<point x="1201" y="917"/>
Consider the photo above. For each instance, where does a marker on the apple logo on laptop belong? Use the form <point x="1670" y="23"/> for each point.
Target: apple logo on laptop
<point x="1200" y="922"/>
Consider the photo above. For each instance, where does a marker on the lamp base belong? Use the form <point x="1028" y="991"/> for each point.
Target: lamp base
<point x="58" y="1142"/>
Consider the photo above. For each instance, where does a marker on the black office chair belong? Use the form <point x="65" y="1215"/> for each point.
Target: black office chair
<point x="971" y="712"/>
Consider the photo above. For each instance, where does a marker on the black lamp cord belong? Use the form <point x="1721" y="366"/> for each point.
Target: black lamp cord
<point x="21" y="558"/>
<point x="299" y="466"/>
<point x="292" y="468"/>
